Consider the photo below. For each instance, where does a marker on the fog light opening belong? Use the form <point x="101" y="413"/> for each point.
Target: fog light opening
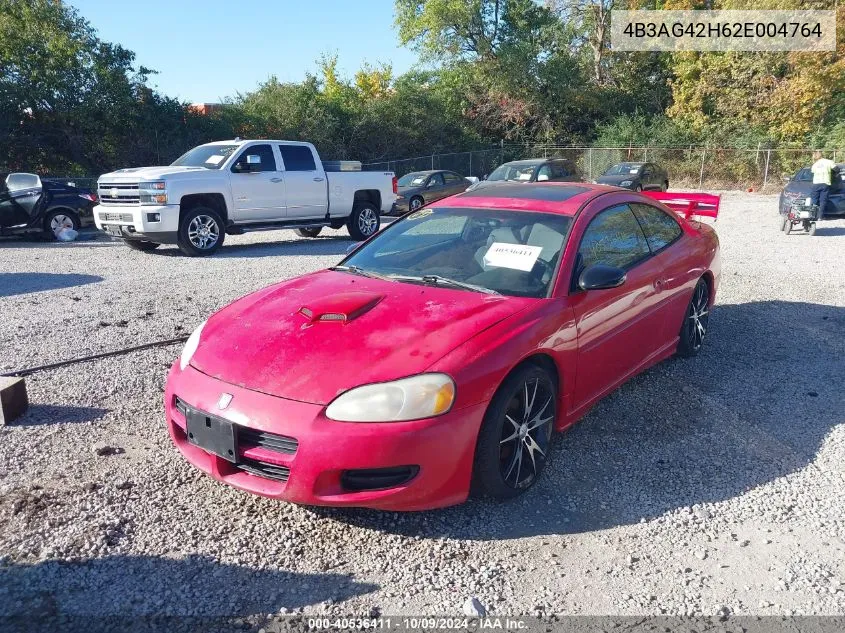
<point x="377" y="478"/>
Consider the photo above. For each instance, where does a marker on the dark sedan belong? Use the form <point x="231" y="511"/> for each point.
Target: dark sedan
<point x="28" y="203"/>
<point x="799" y="186"/>
<point x="531" y="170"/>
<point x="421" y="187"/>
<point x="636" y="177"/>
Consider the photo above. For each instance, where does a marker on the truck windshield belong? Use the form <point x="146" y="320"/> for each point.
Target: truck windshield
<point x="208" y="156"/>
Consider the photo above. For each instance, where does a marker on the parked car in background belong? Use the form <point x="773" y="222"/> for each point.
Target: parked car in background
<point x="636" y="177"/>
<point x="799" y="186"/>
<point x="231" y="187"/>
<point x="29" y="203"/>
<point x="488" y="320"/>
<point x="421" y="187"/>
<point x="531" y="170"/>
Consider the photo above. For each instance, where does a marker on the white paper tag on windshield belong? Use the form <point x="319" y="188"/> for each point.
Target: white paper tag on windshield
<point x="215" y="159"/>
<point x="515" y="256"/>
<point x="634" y="170"/>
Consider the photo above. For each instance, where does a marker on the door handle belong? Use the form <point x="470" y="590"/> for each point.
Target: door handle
<point x="318" y="179"/>
<point x="275" y="180"/>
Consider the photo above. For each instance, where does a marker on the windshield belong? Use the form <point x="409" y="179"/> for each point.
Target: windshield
<point x="513" y="172"/>
<point x="208" y="156"/>
<point x="509" y="252"/>
<point x="623" y="169"/>
<point x="411" y="180"/>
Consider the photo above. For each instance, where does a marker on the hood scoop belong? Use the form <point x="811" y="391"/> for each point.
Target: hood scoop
<point x="343" y="307"/>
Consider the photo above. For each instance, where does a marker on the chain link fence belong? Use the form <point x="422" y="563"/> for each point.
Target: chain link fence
<point x="689" y="168"/>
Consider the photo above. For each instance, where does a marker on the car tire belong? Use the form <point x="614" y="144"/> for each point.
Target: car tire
<point x="638" y="188"/>
<point x="784" y="223"/>
<point x="141" y="245"/>
<point x="787" y="226"/>
<point x="812" y="229"/>
<point x="665" y="186"/>
<point x="311" y="231"/>
<point x="364" y="222"/>
<point x="201" y="232"/>
<point x="59" y="217"/>
<point x="415" y="204"/>
<point x="499" y="471"/>
<point x="696" y="318"/>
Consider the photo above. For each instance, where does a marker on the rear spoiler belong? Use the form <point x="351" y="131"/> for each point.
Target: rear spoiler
<point x="688" y="204"/>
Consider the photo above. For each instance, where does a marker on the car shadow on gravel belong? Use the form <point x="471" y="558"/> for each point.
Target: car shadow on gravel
<point x="135" y="587"/>
<point x="43" y="414"/>
<point x="754" y="406"/>
<point x="12" y="284"/>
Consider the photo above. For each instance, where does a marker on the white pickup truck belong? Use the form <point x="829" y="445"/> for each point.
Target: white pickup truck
<point x="230" y="187"/>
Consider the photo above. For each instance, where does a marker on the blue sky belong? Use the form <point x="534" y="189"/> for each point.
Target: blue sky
<point x="207" y="50"/>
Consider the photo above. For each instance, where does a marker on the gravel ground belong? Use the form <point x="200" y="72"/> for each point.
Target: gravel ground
<point x="705" y="486"/>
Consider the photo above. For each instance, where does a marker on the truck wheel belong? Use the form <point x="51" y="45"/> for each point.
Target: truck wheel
<point x="311" y="231"/>
<point x="141" y="245"/>
<point x="200" y="232"/>
<point x="364" y="221"/>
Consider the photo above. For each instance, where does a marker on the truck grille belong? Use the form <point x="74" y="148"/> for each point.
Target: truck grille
<point x="118" y="193"/>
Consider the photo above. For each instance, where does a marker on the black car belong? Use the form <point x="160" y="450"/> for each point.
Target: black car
<point x="531" y="170"/>
<point x="799" y="186"/>
<point x="30" y="203"/>
<point x="636" y="177"/>
<point x="421" y="187"/>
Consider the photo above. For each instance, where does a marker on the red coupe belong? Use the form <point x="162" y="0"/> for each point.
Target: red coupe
<point x="437" y="359"/>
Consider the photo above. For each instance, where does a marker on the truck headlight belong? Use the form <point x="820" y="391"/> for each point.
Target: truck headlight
<point x="422" y="396"/>
<point x="626" y="183"/>
<point x="191" y="346"/>
<point x="152" y="192"/>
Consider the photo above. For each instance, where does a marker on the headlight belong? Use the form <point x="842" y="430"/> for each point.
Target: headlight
<point x="626" y="183"/>
<point x="152" y="192"/>
<point x="191" y="346"/>
<point x="423" y="396"/>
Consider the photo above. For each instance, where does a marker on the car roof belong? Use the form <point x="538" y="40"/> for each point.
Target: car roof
<point x="564" y="198"/>
<point x="424" y="172"/>
<point x="629" y="164"/>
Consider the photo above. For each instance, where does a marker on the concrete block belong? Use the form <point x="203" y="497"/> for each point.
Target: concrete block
<point x="13" y="400"/>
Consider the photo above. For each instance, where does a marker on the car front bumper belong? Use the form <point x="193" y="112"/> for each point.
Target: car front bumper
<point x="442" y="448"/>
<point x="148" y="222"/>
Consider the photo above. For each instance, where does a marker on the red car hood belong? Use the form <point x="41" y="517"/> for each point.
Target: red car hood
<point x="316" y="336"/>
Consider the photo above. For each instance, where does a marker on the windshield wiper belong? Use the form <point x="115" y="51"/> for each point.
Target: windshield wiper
<point x="445" y="281"/>
<point x="357" y="270"/>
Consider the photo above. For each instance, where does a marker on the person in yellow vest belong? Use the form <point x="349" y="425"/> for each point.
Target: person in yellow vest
<point x="822" y="170"/>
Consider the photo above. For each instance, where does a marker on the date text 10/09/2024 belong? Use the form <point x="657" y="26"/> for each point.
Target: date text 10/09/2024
<point x="417" y="623"/>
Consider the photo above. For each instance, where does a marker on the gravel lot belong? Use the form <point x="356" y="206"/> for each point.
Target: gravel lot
<point x="705" y="486"/>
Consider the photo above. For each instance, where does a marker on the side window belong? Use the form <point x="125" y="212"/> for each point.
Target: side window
<point x="452" y="179"/>
<point x="660" y="229"/>
<point x="544" y="173"/>
<point x="436" y="180"/>
<point x="297" y="158"/>
<point x="560" y="170"/>
<point x="19" y="182"/>
<point x="614" y="238"/>
<point x="265" y="152"/>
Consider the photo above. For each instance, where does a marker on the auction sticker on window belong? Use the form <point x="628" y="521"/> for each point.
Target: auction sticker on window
<point x="515" y="256"/>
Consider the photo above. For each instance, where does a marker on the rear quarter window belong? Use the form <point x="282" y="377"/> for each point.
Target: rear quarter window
<point x="659" y="227"/>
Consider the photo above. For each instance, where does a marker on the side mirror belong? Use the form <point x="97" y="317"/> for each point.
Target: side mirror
<point x="431" y="183"/>
<point x="601" y="277"/>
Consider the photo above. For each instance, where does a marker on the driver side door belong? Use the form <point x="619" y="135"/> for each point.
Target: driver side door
<point x="618" y="329"/>
<point x="435" y="188"/>
<point x="258" y="192"/>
